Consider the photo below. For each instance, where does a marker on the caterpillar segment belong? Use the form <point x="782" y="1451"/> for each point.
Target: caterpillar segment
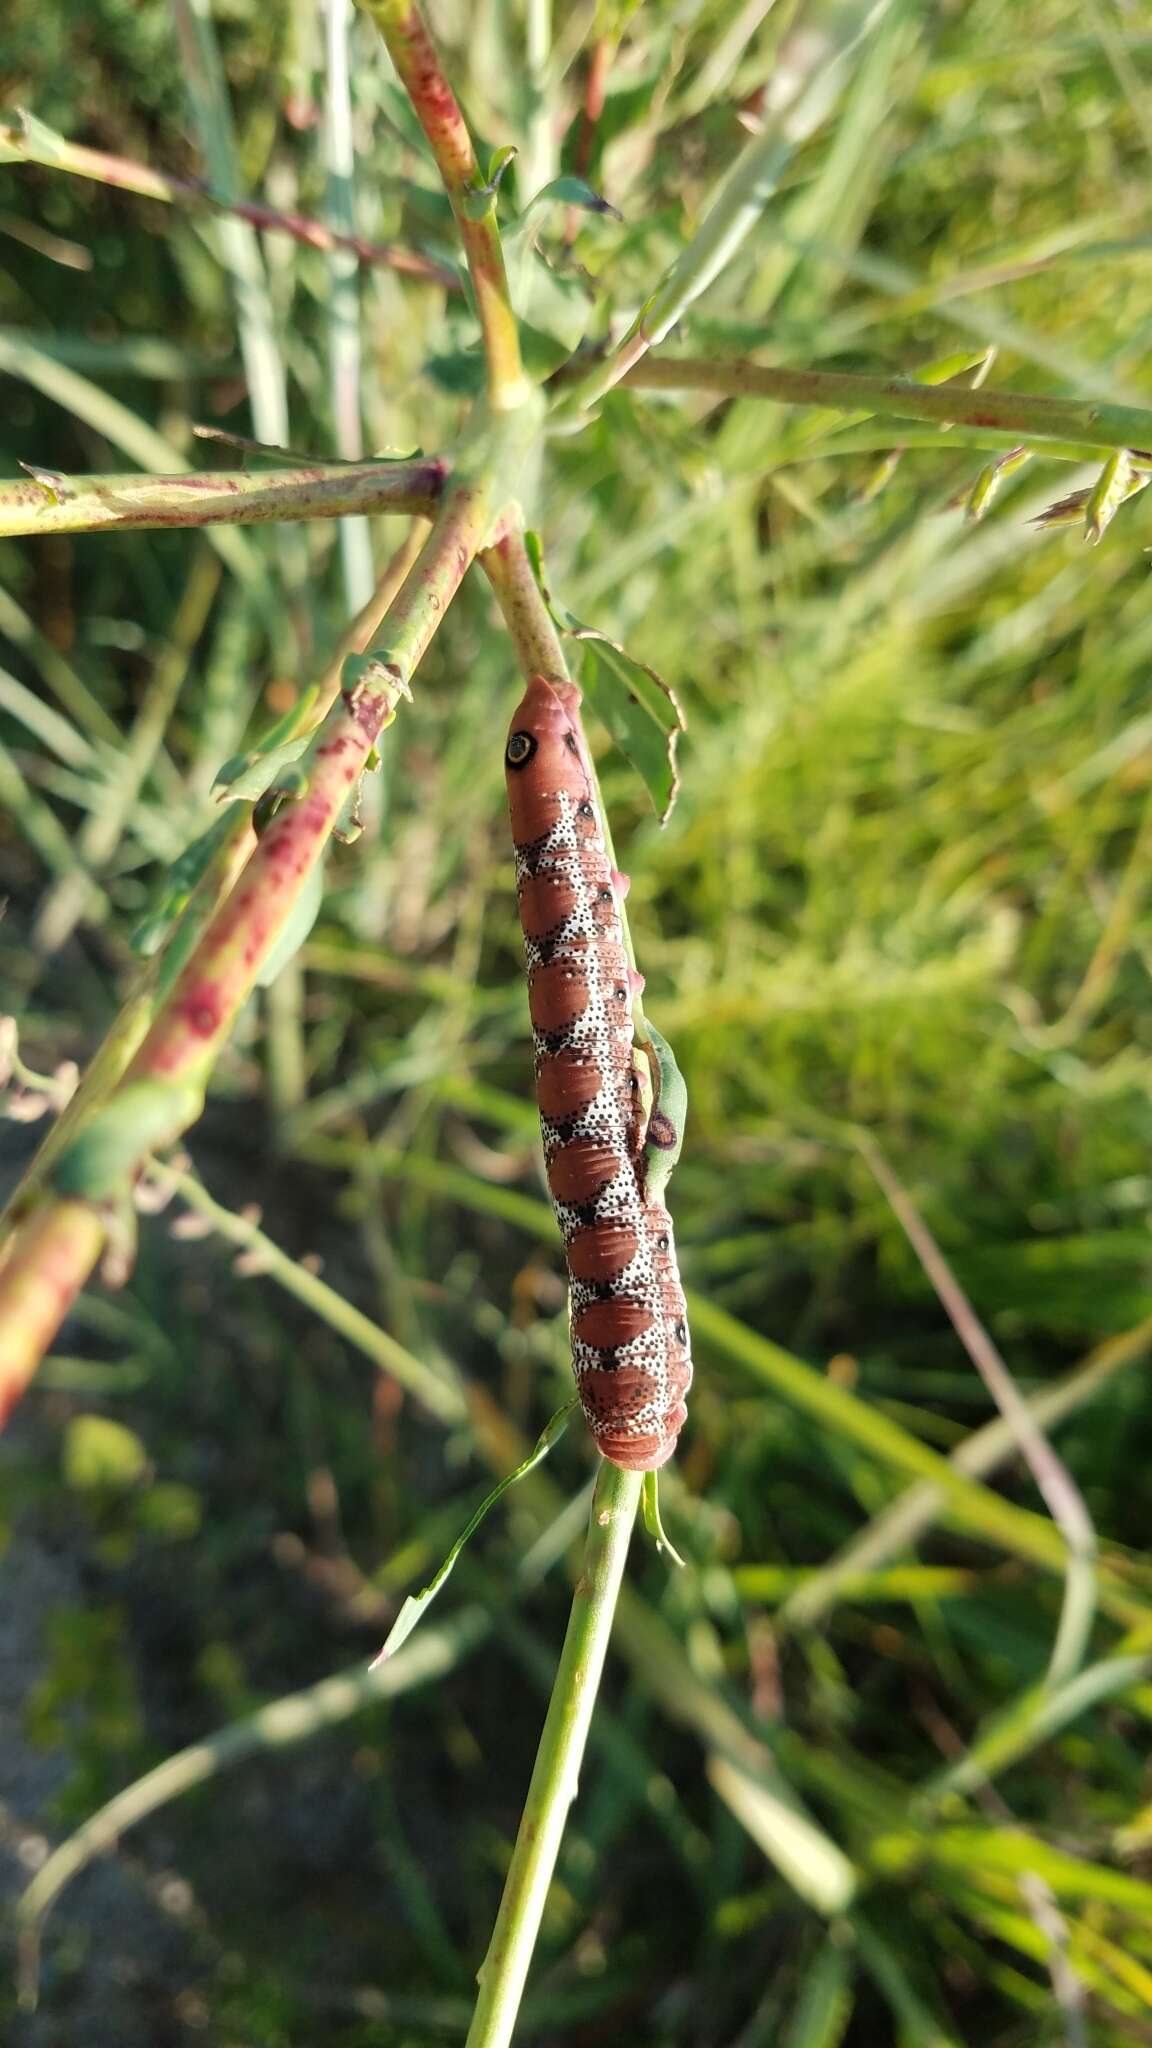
<point x="630" y="1348"/>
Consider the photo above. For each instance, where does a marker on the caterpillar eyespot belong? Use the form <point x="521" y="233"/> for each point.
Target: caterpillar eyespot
<point x="630" y="1337"/>
<point x="520" y="749"/>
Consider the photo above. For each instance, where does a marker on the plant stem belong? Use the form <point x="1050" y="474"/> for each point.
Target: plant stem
<point x="474" y="207"/>
<point x="526" y="615"/>
<point x="437" y="1394"/>
<point x="1059" y="1491"/>
<point x="344" y="350"/>
<point x="362" y="630"/>
<point x="324" y="490"/>
<point x="37" y="145"/>
<point x="1036" y="419"/>
<point x="191" y="1027"/>
<point x="738" y="204"/>
<point x="504" y="1970"/>
<point x="38" y="1285"/>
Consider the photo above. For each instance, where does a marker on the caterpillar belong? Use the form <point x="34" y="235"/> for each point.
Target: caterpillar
<point x="630" y="1350"/>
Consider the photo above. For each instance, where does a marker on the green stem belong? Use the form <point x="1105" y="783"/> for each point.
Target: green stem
<point x="474" y="207"/>
<point x="324" y="490"/>
<point x="1034" y="419"/>
<point x="504" y="1971"/>
<point x="438" y="1395"/>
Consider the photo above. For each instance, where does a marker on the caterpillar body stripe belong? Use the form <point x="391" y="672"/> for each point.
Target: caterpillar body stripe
<point x="630" y="1349"/>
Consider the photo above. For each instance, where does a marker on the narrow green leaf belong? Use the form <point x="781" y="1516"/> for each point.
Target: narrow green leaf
<point x="567" y="191"/>
<point x="822" y="2011"/>
<point x="177" y="887"/>
<point x="801" y="1851"/>
<point x="416" y="1605"/>
<point x="257" y="776"/>
<point x="650" y="1505"/>
<point x="249" y="775"/>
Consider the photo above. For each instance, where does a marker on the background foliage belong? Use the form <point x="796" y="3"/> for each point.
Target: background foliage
<point x="903" y="889"/>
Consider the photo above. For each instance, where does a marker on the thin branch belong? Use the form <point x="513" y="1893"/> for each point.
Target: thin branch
<point x="1036" y="419"/>
<point x="901" y="1524"/>
<point x="435" y="1392"/>
<point x="52" y="503"/>
<point x="504" y="1971"/>
<point x="31" y="143"/>
<point x="163" y="1086"/>
<point x="1055" y="1483"/>
<point x="298" y="1717"/>
<point x="472" y="199"/>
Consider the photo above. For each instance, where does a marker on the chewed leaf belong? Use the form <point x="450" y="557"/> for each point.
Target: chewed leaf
<point x="638" y="707"/>
<point x="414" y="1607"/>
<point x="665" y="1137"/>
<point x="639" y="710"/>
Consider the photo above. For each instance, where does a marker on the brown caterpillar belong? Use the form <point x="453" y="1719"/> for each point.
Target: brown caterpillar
<point x="629" y="1326"/>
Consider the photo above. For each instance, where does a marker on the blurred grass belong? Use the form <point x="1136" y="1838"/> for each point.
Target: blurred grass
<point x="905" y="888"/>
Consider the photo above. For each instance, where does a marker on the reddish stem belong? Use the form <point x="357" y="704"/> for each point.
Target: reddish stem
<point x="128" y="176"/>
